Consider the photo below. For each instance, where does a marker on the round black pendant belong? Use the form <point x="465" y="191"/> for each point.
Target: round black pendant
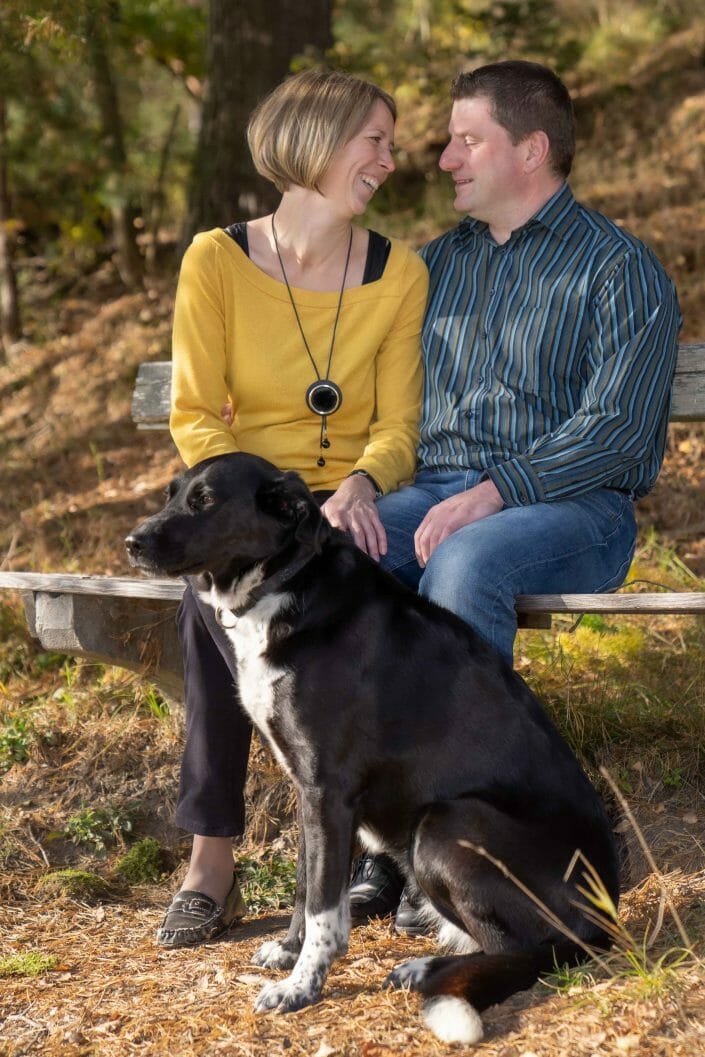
<point x="323" y="397"/>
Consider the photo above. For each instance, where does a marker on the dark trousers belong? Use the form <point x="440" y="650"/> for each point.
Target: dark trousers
<point x="218" y="732"/>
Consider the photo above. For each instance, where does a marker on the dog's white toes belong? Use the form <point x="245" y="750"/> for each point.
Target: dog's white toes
<point x="274" y="955"/>
<point x="452" y="1019"/>
<point x="409" y="974"/>
<point x="286" y="996"/>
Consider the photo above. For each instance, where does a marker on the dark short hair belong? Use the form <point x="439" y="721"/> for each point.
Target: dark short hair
<point x="296" y="130"/>
<point x="525" y="97"/>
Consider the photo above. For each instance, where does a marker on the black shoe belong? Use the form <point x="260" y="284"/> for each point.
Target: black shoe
<point x="375" y="888"/>
<point x="410" y="918"/>
<point x="194" y="918"/>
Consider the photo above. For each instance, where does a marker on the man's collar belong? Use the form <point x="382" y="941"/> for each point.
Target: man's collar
<point x="557" y="215"/>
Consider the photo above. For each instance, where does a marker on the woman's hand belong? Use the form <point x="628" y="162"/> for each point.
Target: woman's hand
<point x="352" y="509"/>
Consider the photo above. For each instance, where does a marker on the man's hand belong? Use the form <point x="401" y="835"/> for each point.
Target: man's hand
<point x="352" y="508"/>
<point x="447" y="517"/>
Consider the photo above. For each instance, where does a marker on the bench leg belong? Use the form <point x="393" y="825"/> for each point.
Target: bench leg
<point x="134" y="633"/>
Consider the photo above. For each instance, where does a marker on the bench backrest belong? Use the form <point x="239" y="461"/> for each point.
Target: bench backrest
<point x="152" y="393"/>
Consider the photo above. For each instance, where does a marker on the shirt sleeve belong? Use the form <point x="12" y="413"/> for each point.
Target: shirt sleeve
<point x="390" y="454"/>
<point x="198" y="386"/>
<point x="625" y="398"/>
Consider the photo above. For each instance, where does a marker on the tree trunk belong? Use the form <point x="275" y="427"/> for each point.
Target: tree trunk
<point x="128" y="259"/>
<point x="10" y="326"/>
<point x="250" y="48"/>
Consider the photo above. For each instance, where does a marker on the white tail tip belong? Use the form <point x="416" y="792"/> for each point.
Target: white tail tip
<point x="452" y="1019"/>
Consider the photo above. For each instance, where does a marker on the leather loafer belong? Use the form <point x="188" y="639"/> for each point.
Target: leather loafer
<point x="194" y="918"/>
<point x="410" y="919"/>
<point x="375" y="888"/>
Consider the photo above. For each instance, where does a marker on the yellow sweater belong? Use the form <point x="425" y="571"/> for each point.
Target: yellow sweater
<point x="236" y="338"/>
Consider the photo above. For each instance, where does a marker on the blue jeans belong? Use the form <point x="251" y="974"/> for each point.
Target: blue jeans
<point x="576" y="545"/>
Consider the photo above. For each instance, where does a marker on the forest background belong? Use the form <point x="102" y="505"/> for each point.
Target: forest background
<point x="121" y="133"/>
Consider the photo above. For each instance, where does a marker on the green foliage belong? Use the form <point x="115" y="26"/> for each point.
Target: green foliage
<point x="99" y="826"/>
<point x="16" y="737"/>
<point x="566" y="978"/>
<point x="155" y="703"/>
<point x="15" y="645"/>
<point x="267" y="884"/>
<point x="56" y="135"/>
<point x="620" y="36"/>
<point x="654" y="977"/>
<point x="143" y="863"/>
<point x="623" y="684"/>
<point x="76" y="884"/>
<point x="30" y="963"/>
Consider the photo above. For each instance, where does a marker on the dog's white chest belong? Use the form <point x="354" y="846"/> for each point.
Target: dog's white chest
<point x="259" y="681"/>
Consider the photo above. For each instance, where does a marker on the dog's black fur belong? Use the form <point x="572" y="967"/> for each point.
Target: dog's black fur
<point x="391" y="715"/>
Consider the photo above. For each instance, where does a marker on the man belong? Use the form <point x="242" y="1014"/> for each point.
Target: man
<point x="549" y="347"/>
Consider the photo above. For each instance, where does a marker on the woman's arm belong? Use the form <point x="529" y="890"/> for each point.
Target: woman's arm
<point x="389" y="456"/>
<point x="199" y="389"/>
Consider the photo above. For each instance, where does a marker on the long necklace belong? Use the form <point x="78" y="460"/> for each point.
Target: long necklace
<point x="323" y="397"/>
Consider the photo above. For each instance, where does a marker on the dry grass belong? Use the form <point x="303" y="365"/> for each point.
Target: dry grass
<point x="113" y="992"/>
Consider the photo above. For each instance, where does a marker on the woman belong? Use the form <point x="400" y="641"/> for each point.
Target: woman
<point x="296" y="338"/>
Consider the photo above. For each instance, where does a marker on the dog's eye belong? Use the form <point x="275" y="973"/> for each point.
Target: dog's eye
<point x="201" y="500"/>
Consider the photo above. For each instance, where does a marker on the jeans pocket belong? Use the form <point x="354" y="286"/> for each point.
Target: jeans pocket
<point x="612" y="504"/>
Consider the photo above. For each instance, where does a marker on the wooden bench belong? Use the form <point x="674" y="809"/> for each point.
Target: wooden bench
<point x="130" y="622"/>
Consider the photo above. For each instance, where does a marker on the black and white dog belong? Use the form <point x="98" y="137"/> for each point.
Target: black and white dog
<point x="397" y="722"/>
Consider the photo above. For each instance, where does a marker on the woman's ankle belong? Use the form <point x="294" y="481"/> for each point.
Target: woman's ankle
<point x="211" y="867"/>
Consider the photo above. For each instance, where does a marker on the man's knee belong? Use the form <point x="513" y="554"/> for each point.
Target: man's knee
<point x="471" y="558"/>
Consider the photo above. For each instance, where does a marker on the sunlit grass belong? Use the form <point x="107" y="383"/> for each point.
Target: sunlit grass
<point x="28" y="963"/>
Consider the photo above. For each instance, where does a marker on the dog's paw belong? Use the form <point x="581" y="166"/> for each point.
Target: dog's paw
<point x="275" y="955"/>
<point x="409" y="974"/>
<point x="286" y="996"/>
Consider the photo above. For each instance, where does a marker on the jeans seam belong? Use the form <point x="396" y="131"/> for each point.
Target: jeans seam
<point x="617" y="523"/>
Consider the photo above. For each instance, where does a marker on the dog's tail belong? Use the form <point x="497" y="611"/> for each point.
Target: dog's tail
<point x="458" y="988"/>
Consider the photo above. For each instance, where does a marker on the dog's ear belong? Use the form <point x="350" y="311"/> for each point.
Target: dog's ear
<point x="288" y="500"/>
<point x="173" y="487"/>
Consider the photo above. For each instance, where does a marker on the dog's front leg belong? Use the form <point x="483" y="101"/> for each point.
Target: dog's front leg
<point x="283" y="954"/>
<point x="327" y="826"/>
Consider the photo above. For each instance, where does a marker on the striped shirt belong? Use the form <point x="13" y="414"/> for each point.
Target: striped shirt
<point x="548" y="359"/>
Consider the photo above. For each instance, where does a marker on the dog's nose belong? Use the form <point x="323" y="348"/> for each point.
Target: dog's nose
<point x="134" y="546"/>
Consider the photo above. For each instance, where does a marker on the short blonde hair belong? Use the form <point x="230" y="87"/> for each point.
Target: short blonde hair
<point x="295" y="131"/>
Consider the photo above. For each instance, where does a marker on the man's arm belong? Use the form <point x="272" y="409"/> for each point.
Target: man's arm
<point x="620" y="423"/>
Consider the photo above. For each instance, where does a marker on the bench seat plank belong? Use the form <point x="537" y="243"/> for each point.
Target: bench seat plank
<point x="643" y="602"/>
<point x="124" y="587"/>
<point x="172" y="590"/>
<point x="688" y="403"/>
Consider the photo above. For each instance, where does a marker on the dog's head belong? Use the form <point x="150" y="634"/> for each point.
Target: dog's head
<point x="223" y="516"/>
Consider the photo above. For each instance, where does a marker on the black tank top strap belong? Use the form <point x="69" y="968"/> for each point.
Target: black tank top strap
<point x="377" y="254"/>
<point x="238" y="233"/>
<point x="378" y="249"/>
